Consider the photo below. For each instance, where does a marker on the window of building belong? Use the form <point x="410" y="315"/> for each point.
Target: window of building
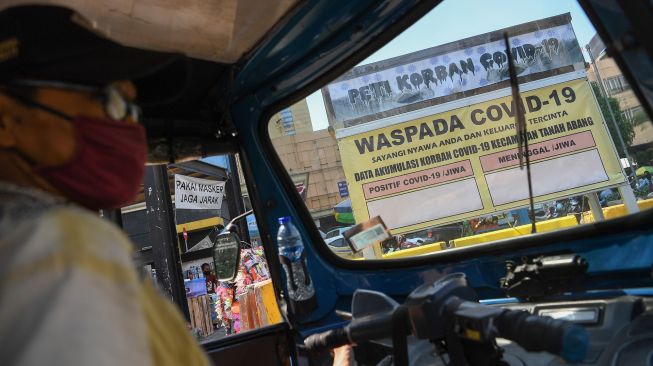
<point x="288" y="122"/>
<point x="616" y="84"/>
<point x="631" y="113"/>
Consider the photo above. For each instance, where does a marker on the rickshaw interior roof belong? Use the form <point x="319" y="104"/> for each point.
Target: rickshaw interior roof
<point x="215" y="34"/>
<point x="214" y="30"/>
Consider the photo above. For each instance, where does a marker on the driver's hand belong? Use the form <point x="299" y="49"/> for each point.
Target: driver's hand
<point x="343" y="356"/>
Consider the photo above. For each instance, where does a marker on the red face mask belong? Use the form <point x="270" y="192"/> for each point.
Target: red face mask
<point x="108" y="166"/>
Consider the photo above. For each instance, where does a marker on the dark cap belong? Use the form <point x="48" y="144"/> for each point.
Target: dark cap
<point x="48" y="43"/>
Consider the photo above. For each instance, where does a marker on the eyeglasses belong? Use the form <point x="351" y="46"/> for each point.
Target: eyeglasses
<point x="116" y="105"/>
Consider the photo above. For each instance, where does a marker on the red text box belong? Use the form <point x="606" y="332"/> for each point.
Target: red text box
<point x="539" y="151"/>
<point x="423" y="178"/>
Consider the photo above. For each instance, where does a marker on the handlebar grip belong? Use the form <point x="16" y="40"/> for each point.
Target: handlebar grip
<point x="326" y="340"/>
<point x="540" y="333"/>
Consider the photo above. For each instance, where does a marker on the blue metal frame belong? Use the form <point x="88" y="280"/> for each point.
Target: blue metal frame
<point x="318" y="41"/>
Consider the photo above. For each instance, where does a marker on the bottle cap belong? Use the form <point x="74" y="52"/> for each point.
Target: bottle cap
<point x="284" y="220"/>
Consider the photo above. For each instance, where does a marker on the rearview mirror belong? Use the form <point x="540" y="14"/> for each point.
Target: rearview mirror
<point x="226" y="256"/>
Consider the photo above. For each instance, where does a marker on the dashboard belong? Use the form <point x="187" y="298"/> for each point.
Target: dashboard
<point x="620" y="331"/>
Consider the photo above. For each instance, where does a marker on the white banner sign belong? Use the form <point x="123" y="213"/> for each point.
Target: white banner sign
<point x="198" y="194"/>
<point x="447" y="70"/>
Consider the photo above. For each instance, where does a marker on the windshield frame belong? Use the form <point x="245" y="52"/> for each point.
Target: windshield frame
<point x="636" y="222"/>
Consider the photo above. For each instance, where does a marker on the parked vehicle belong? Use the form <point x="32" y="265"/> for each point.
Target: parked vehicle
<point x="339" y="246"/>
<point x="334" y="234"/>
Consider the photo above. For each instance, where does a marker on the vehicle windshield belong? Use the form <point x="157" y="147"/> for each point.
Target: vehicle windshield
<point x="424" y="133"/>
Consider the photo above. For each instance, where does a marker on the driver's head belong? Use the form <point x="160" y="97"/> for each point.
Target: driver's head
<point x="68" y="107"/>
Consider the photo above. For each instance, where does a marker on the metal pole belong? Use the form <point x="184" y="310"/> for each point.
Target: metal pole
<point x="163" y="235"/>
<point x="628" y="198"/>
<point x="607" y="101"/>
<point x="595" y="206"/>
<point x="236" y="198"/>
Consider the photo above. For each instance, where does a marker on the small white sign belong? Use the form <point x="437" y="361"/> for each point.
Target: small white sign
<point x="369" y="237"/>
<point x="198" y="194"/>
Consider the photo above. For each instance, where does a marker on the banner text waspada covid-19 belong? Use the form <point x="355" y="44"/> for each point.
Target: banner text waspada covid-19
<point x="464" y="163"/>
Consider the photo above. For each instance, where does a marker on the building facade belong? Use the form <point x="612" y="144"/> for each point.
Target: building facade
<point x="312" y="160"/>
<point x="291" y="121"/>
<point x="617" y="87"/>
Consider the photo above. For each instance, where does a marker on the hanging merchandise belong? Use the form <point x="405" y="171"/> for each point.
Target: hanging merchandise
<point x="253" y="269"/>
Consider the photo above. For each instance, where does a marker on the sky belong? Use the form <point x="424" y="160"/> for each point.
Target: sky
<point x="457" y="19"/>
<point x="219" y="160"/>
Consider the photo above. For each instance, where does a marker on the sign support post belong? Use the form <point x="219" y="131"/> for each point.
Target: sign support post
<point x="595" y="206"/>
<point x="628" y="197"/>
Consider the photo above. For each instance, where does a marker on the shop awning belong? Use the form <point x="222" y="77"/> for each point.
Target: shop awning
<point x="343" y="212"/>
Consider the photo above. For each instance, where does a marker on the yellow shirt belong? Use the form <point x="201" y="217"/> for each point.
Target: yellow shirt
<point x="69" y="293"/>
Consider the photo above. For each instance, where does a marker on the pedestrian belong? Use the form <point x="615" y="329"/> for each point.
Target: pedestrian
<point x="604" y="196"/>
<point x="647" y="176"/>
<point x="70" y="144"/>
<point x="210" y="279"/>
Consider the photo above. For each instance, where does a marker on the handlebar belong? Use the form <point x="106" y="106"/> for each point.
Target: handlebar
<point x="542" y="333"/>
<point x="326" y="340"/>
<point x="534" y="333"/>
<point x="446" y="310"/>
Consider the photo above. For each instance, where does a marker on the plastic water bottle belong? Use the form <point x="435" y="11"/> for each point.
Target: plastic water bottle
<point x="293" y="258"/>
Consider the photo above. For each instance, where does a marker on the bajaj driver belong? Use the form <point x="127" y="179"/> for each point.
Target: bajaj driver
<point x="70" y="144"/>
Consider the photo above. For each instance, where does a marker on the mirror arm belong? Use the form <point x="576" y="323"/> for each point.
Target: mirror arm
<point x="231" y="225"/>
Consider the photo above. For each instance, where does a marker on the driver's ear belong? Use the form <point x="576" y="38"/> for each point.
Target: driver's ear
<point x="7" y="133"/>
<point x="8" y="121"/>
